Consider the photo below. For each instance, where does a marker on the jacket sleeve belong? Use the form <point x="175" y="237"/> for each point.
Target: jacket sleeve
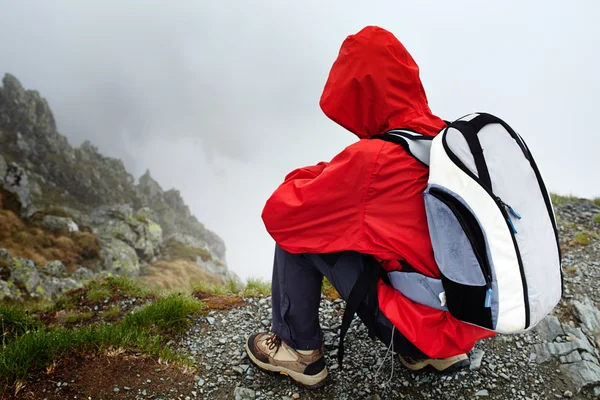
<point x="306" y="172"/>
<point x="320" y="209"/>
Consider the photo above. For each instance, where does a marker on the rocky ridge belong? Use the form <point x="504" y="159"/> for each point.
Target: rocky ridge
<point x="59" y="188"/>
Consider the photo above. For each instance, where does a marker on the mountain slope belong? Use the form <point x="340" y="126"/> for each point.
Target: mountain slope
<point x="57" y="190"/>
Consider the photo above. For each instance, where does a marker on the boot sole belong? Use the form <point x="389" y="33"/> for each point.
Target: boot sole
<point x="428" y="366"/>
<point x="301" y="380"/>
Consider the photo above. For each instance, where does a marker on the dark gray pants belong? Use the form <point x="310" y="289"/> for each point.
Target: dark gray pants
<point x="296" y="295"/>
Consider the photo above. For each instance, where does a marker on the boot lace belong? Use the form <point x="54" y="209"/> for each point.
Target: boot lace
<point x="273" y="342"/>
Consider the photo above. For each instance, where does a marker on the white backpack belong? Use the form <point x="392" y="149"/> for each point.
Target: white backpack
<point x="491" y="223"/>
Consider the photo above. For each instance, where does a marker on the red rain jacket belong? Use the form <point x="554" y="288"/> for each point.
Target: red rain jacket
<point x="369" y="197"/>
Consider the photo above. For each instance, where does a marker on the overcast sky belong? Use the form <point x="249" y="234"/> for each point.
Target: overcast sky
<point x="219" y="99"/>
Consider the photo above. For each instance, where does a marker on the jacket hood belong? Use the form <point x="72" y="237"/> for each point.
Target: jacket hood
<point x="374" y="86"/>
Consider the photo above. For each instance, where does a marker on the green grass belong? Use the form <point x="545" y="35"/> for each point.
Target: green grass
<point x="98" y="294"/>
<point x="597" y="218"/>
<point x="168" y="315"/>
<point x="64" y="302"/>
<point x="254" y="287"/>
<point x="73" y="317"/>
<point x="257" y="287"/>
<point x="560" y="200"/>
<point x="147" y="331"/>
<point x="597" y="201"/>
<point x="15" y="321"/>
<point x="582" y="238"/>
<point x="111" y="312"/>
<point x="129" y="287"/>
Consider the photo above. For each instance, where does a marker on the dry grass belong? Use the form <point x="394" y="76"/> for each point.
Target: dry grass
<point x="178" y="274"/>
<point x="177" y="251"/>
<point x="41" y="246"/>
<point x="329" y="291"/>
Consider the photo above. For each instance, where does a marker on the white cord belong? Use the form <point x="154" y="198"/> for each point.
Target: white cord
<point x="391" y="346"/>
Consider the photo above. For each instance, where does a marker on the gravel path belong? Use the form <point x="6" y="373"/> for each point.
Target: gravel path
<point x="541" y="364"/>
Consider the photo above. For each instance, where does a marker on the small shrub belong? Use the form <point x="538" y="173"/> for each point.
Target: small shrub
<point x="582" y="238"/>
<point x="597" y="218"/>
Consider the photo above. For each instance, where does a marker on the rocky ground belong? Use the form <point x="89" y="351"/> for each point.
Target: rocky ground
<point x="558" y="359"/>
<point x="501" y="367"/>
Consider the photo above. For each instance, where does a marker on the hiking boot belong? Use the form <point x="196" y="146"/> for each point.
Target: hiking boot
<point x="271" y="354"/>
<point x="443" y="365"/>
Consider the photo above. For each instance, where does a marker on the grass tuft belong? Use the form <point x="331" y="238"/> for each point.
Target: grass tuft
<point x="98" y="294"/>
<point x="168" y="315"/>
<point x="257" y="287"/>
<point x="112" y="312"/>
<point x="582" y="239"/>
<point x="73" y="317"/>
<point x="128" y="286"/>
<point x="15" y="321"/>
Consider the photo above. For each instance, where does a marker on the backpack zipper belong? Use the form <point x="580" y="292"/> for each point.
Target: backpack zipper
<point x="503" y="208"/>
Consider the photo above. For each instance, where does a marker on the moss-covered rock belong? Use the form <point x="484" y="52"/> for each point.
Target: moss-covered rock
<point x="6" y="290"/>
<point x="59" y="224"/>
<point x="82" y="275"/>
<point x="135" y="230"/>
<point x="24" y="273"/>
<point x="119" y="258"/>
<point x="55" y="268"/>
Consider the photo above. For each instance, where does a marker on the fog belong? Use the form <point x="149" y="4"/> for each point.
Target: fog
<point x="220" y="99"/>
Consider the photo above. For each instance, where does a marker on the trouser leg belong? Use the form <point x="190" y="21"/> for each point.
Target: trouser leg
<point x="296" y="294"/>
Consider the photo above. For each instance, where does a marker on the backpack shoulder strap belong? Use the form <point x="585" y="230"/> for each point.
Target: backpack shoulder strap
<point x="414" y="143"/>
